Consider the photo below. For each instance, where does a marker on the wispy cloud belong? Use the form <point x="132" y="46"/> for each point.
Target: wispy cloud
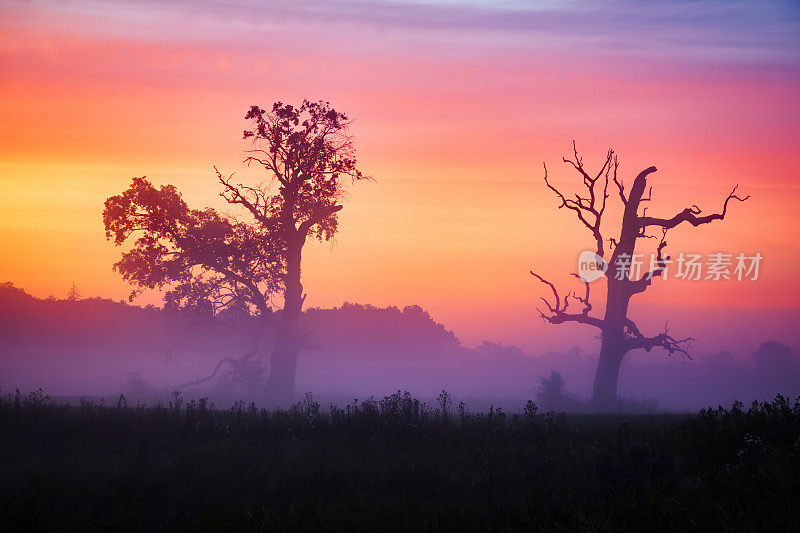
<point x="728" y="31"/>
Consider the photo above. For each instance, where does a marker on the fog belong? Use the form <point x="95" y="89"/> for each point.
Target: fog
<point x="100" y="348"/>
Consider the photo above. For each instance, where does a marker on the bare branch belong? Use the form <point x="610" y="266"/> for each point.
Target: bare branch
<point x="589" y="210"/>
<point x="258" y="298"/>
<point x="558" y="312"/>
<point x="619" y="184"/>
<point x="690" y="215"/>
<point x="632" y="329"/>
<point x="662" y="340"/>
<point x="641" y="284"/>
<point x="585" y="300"/>
<point x="233" y="195"/>
<point x="231" y="361"/>
<point x="234" y="363"/>
<point x="557" y="307"/>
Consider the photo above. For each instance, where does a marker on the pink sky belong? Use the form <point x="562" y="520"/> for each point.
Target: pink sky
<point x="456" y="106"/>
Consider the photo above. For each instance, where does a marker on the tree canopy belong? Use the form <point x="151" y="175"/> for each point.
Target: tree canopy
<point x="207" y="261"/>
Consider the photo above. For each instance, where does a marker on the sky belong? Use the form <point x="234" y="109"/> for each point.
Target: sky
<point x="456" y="106"/>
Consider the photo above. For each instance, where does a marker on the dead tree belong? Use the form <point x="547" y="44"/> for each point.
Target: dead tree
<point x="619" y="333"/>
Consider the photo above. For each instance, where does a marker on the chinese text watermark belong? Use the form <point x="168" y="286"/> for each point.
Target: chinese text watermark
<point x="686" y="266"/>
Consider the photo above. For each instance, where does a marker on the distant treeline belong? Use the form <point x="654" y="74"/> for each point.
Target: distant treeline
<point x="96" y="346"/>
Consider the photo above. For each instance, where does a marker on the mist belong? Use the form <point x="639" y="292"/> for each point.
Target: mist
<point x="93" y="347"/>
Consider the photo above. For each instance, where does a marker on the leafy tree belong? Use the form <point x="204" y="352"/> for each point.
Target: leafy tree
<point x="552" y="390"/>
<point x="212" y="263"/>
<point x="774" y="357"/>
<point x="619" y="333"/>
<point x="309" y="152"/>
<point x="207" y="262"/>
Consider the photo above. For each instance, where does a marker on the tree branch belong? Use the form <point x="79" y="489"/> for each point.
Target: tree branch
<point x="585" y="300"/>
<point x="690" y="215"/>
<point x="316" y="218"/>
<point x="258" y="298"/>
<point x="234" y="363"/>
<point x="662" y="340"/>
<point x="233" y="195"/>
<point x="558" y="312"/>
<point x="641" y="284"/>
<point x="588" y="210"/>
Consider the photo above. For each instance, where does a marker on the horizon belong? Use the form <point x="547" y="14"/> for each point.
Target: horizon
<point x="741" y="355"/>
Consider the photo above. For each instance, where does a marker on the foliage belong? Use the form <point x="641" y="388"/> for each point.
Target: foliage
<point x="209" y="262"/>
<point x="397" y="464"/>
<point x="308" y="151"/>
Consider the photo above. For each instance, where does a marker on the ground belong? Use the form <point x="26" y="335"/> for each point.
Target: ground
<point x="394" y="464"/>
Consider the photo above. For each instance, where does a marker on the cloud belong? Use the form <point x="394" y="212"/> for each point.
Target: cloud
<point x="727" y="31"/>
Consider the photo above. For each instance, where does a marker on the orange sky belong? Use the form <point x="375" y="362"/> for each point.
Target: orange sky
<point x="455" y="107"/>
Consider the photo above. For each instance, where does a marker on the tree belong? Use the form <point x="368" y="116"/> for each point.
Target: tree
<point x="308" y="151"/>
<point x="619" y="334"/>
<point x="209" y="265"/>
<point x="73" y="295"/>
<point x="213" y="263"/>
<point x="774" y="357"/>
<point x="208" y="262"/>
<point x="552" y="393"/>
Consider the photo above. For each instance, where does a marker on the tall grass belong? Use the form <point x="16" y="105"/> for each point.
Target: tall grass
<point x="395" y="463"/>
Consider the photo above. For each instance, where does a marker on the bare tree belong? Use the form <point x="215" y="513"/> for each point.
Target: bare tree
<point x="618" y="332"/>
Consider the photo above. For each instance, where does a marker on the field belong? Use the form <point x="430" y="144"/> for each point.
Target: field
<point x="393" y="464"/>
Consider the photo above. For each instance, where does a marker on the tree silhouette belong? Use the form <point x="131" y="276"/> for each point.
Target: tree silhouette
<point x="552" y="393"/>
<point x="209" y="262"/>
<point x="308" y="151"/>
<point x="213" y="263"/>
<point x="619" y="333"/>
<point x="774" y="357"/>
<point x="209" y="265"/>
<point x="73" y="294"/>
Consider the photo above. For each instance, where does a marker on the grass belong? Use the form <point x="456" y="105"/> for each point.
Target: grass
<point x="394" y="464"/>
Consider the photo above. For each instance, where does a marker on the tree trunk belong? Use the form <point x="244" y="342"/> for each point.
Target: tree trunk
<point x="604" y="396"/>
<point x="612" y="351"/>
<point x="283" y="363"/>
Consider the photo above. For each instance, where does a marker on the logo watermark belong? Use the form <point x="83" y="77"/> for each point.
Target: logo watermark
<point x="591" y="266"/>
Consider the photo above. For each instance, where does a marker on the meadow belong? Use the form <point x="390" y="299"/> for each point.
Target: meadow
<point x="393" y="464"/>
